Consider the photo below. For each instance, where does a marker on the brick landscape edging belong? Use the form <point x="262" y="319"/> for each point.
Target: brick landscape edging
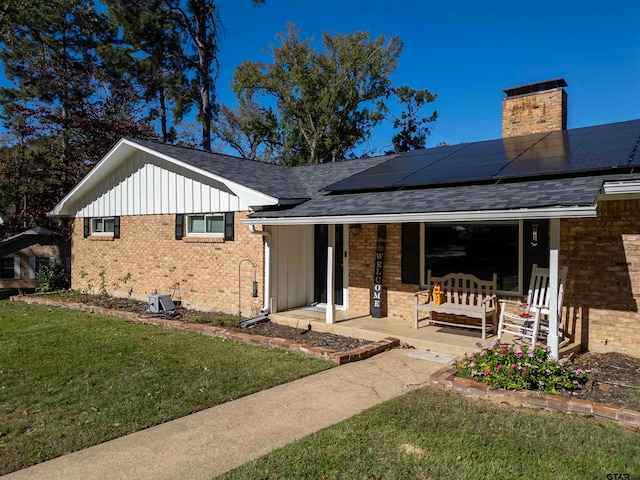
<point x="445" y="379"/>
<point x="340" y="358"/>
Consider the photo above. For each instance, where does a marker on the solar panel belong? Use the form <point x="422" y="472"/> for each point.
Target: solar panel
<point x="387" y="174"/>
<point x="581" y="150"/>
<point x="479" y="161"/>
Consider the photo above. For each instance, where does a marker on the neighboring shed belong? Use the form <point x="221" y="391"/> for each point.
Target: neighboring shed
<point x="23" y="254"/>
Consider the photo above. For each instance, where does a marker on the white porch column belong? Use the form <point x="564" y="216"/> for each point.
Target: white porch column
<point x="331" y="307"/>
<point x="554" y="246"/>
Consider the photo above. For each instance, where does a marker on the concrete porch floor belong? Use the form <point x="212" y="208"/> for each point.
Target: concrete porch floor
<point x="434" y="338"/>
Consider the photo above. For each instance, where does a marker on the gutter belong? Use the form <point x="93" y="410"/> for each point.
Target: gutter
<point x="267" y="266"/>
<point x="621" y="188"/>
<point x="465" y="216"/>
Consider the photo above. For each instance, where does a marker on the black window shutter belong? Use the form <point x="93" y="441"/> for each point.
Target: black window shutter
<point x="87" y="222"/>
<point x="179" y="226"/>
<point x="116" y="227"/>
<point x="410" y="253"/>
<point x="228" y="226"/>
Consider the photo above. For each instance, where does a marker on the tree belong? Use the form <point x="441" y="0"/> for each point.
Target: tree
<point x="73" y="102"/>
<point x="200" y="22"/>
<point x="413" y="129"/>
<point x="326" y="102"/>
<point x="155" y="57"/>
<point x="249" y="129"/>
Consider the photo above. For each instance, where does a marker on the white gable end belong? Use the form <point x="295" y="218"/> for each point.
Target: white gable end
<point x="135" y="180"/>
<point x="146" y="185"/>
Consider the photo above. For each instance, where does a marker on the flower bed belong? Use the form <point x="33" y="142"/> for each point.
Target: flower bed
<point x="520" y="367"/>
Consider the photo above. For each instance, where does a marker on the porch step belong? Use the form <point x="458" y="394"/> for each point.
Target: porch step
<point x="374" y="329"/>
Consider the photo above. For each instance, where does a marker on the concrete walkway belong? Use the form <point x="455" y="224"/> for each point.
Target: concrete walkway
<point x="208" y="443"/>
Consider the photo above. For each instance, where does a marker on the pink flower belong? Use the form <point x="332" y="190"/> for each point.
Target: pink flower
<point x="524" y="372"/>
<point x="519" y="354"/>
<point x="513" y="366"/>
<point x="486" y="373"/>
<point x="499" y="367"/>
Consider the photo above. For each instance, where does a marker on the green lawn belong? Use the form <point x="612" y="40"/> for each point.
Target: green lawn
<point x="428" y="434"/>
<point x="70" y="379"/>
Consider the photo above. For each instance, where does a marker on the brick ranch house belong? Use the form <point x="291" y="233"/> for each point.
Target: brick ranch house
<point x="203" y="226"/>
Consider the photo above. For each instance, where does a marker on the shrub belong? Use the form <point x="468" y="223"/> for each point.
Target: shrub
<point x="520" y="367"/>
<point x="51" y="278"/>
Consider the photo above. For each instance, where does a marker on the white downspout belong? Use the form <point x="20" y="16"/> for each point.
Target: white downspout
<point x="267" y="266"/>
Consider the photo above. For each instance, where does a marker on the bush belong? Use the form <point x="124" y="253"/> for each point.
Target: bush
<point x="520" y="367"/>
<point x="51" y="278"/>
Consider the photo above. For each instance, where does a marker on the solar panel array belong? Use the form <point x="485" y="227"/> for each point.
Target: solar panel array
<point x="582" y="150"/>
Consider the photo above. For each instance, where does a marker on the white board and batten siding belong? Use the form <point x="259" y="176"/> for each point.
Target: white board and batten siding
<point x="141" y="186"/>
<point x="292" y="266"/>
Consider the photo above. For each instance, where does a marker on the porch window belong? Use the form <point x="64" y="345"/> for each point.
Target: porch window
<point x="212" y="225"/>
<point x="480" y="249"/>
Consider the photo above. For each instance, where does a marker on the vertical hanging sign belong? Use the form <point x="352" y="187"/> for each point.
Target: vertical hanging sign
<point x="377" y="273"/>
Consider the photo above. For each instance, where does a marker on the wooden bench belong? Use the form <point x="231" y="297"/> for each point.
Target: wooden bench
<point x="461" y="295"/>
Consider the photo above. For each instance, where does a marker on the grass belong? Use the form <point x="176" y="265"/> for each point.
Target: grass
<point x="428" y="434"/>
<point x="69" y="379"/>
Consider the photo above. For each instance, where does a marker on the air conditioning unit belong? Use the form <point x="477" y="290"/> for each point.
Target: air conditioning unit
<point x="161" y="303"/>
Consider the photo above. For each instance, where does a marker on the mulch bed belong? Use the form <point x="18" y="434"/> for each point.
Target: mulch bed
<point x="614" y="379"/>
<point x="303" y="336"/>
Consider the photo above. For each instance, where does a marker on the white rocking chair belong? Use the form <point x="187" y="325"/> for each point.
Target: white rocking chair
<point x="523" y="320"/>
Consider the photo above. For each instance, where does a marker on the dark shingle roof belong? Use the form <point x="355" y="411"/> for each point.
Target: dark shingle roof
<point x="316" y="177"/>
<point x="267" y="178"/>
<point x="565" y="192"/>
<point x="274" y="180"/>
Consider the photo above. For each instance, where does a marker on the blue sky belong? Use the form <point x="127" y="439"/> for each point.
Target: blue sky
<point x="468" y="52"/>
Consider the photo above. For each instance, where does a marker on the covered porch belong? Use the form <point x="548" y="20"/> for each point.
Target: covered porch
<point x="436" y="339"/>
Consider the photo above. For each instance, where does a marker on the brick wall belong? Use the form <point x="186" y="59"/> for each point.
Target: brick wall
<point x="602" y="294"/>
<point x="603" y="256"/>
<point x="534" y="113"/>
<point x="397" y="298"/>
<point x="203" y="274"/>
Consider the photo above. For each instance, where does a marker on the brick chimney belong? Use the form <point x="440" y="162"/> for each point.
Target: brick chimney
<point x="535" y="108"/>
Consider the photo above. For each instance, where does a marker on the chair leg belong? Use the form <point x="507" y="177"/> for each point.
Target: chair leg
<point x="536" y="327"/>
<point x="501" y="323"/>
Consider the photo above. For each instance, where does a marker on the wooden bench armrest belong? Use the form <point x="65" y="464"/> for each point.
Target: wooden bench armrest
<point x="422" y="292"/>
<point x="488" y="299"/>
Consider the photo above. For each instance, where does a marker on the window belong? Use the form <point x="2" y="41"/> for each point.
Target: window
<point x="102" y="226"/>
<point x="212" y="225"/>
<point x="38" y="263"/>
<point x="7" y="269"/>
<point x="480" y="249"/>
